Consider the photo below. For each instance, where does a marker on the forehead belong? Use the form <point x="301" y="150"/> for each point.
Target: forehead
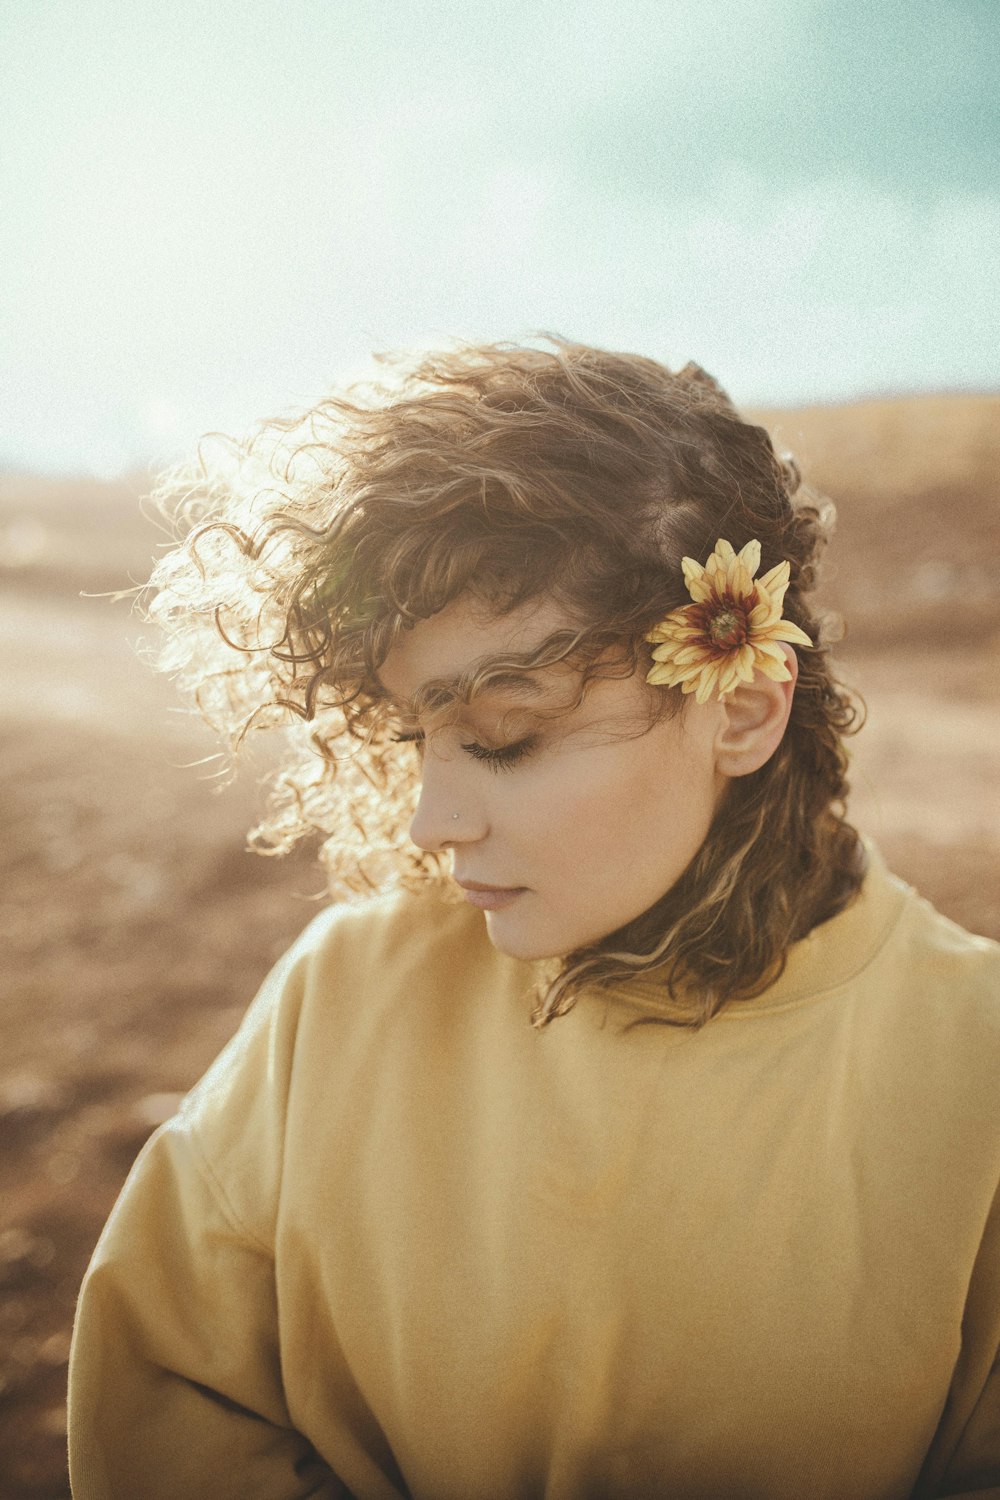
<point x="462" y="635"/>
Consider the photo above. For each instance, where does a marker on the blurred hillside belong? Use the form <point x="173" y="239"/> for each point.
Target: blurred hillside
<point x="135" y="929"/>
<point x="63" y="536"/>
<point x="916" y="484"/>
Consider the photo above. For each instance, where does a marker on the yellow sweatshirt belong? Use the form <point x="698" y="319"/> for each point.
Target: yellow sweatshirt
<point x="397" y="1243"/>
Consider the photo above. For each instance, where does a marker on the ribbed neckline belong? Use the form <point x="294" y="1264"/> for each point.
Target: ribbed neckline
<point x="828" y="957"/>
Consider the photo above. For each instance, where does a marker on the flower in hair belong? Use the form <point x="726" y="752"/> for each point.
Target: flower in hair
<point x="731" y="630"/>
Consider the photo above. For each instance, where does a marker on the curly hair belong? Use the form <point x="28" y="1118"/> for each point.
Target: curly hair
<point x="508" y="473"/>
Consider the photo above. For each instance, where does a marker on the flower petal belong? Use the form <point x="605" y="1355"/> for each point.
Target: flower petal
<point x="764" y="614"/>
<point x="667" y="627"/>
<point x="766" y="647"/>
<point x="776" y="577"/>
<point x="777" y="671"/>
<point x="691" y="569"/>
<point x="729" y="678"/>
<point x="691" y="672"/>
<point x="750" y="556"/>
<point x="744" y="663"/>
<point x="681" y="638"/>
<point x="740" y="581"/>
<point x="786" y="631"/>
<point x="709" y="678"/>
<point x="774" y="584"/>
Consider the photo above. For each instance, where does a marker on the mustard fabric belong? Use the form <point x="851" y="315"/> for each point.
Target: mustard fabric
<point x="397" y="1243"/>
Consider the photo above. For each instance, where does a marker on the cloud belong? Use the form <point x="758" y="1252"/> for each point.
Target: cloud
<point x="799" y="194"/>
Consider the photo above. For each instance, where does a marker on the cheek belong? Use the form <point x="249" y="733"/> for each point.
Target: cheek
<point x="595" y="801"/>
<point x="640" y="807"/>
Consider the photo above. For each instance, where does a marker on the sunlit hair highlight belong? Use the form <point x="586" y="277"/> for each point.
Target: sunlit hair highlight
<point x="506" y="473"/>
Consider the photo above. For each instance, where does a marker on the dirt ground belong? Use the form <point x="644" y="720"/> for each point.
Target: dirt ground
<point x="135" y="929"/>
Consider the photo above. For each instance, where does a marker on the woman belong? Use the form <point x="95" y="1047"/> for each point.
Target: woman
<point x="722" y="1221"/>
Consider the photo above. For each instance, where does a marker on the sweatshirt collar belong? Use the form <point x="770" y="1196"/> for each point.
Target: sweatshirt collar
<point x="832" y="954"/>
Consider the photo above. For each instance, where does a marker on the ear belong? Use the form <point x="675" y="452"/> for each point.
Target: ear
<point x="754" y="720"/>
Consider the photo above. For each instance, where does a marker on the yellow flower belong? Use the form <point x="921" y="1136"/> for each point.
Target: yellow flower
<point x="730" y="631"/>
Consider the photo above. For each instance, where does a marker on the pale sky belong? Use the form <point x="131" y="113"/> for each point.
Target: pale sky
<point x="211" y="212"/>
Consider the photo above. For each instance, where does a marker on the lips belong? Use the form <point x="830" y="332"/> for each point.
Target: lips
<point x="490" y="897"/>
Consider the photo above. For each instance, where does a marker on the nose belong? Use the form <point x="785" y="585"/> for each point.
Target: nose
<point x="448" y="810"/>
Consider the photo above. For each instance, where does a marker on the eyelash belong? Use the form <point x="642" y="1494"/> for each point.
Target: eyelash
<point x="504" y="759"/>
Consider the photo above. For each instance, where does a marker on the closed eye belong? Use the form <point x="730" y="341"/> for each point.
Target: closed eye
<point x="503" y="759"/>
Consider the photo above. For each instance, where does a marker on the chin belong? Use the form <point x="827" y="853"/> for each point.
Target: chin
<point x="520" y="945"/>
<point x="527" y="946"/>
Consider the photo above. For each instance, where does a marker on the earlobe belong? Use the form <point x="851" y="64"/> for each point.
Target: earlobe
<point x="754" y="721"/>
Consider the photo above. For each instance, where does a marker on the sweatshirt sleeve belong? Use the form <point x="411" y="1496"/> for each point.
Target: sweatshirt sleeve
<point x="175" y="1371"/>
<point x="974" y="1469"/>
<point x="965" y="1456"/>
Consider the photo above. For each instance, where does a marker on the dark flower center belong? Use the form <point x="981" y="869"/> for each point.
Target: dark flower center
<point x="728" y="629"/>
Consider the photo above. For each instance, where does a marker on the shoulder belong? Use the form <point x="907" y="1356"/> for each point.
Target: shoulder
<point x="356" y="969"/>
<point x="933" y="1006"/>
<point x="364" y="994"/>
<point x="916" y="989"/>
<point x="893" y="938"/>
<point x="942" y="959"/>
<point x="368" y="949"/>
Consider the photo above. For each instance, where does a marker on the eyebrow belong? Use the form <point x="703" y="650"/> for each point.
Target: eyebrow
<point x="521" y="684"/>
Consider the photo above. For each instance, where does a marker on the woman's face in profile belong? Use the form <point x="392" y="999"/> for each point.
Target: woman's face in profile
<point x="582" y="820"/>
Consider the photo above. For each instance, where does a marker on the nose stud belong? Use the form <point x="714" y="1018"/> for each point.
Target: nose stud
<point x="454" y="815"/>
